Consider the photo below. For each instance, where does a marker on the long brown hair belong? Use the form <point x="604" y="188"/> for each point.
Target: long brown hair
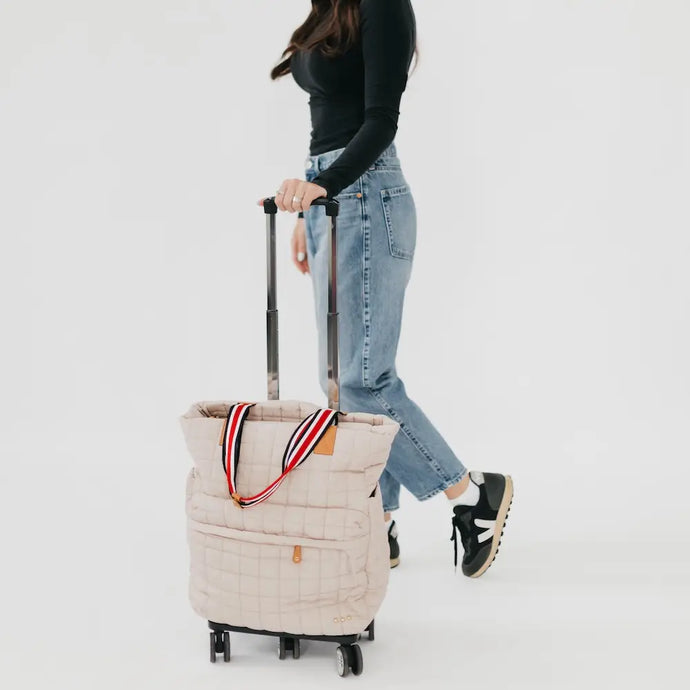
<point x="332" y="25"/>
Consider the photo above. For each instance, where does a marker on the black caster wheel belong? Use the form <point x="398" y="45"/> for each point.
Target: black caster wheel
<point x="370" y="630"/>
<point x="342" y="660"/>
<point x="219" y="642"/>
<point x="349" y="658"/>
<point x="226" y="646"/>
<point x="213" y="647"/>
<point x="356" y="661"/>
<point x="289" y="644"/>
<point x="282" y="647"/>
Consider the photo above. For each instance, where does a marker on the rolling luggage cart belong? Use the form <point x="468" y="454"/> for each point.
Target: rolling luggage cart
<point x="348" y="652"/>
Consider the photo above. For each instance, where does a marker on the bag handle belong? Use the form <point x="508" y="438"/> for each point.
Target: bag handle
<point x="271" y="210"/>
<point x="302" y="442"/>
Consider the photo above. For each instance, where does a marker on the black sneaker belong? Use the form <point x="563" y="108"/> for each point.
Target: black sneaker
<point x="393" y="544"/>
<point x="481" y="525"/>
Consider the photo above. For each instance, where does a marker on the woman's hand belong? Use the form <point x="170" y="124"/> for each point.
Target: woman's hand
<point x="298" y="245"/>
<point x="297" y="195"/>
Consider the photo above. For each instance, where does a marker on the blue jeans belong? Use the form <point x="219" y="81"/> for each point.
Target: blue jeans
<point x="377" y="229"/>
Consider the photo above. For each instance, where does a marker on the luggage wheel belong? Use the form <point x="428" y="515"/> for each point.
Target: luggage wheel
<point x="220" y="643"/>
<point x="349" y="658"/>
<point x="287" y="644"/>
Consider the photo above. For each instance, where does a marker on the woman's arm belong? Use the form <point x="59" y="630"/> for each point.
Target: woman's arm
<point x="388" y="38"/>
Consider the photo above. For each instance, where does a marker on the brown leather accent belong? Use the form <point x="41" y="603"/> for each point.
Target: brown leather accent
<point x="327" y="442"/>
<point x="222" y="432"/>
<point x="297" y="554"/>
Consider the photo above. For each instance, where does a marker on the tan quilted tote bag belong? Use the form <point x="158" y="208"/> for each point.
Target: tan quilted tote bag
<point x="310" y="559"/>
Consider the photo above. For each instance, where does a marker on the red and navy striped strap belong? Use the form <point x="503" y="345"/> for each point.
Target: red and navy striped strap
<point x="302" y="442"/>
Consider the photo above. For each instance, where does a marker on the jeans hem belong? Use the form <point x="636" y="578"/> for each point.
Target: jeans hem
<point x="443" y="487"/>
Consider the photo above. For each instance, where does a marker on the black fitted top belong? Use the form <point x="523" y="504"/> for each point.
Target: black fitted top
<point x="355" y="98"/>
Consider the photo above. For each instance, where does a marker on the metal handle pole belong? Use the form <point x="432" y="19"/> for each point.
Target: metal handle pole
<point x="272" y="365"/>
<point x="332" y="323"/>
<point x="273" y="374"/>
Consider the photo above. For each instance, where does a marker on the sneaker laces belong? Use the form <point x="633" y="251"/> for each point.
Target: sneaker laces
<point x="454" y="539"/>
<point x="465" y="538"/>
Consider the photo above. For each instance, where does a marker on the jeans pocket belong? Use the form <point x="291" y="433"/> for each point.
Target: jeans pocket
<point x="400" y="215"/>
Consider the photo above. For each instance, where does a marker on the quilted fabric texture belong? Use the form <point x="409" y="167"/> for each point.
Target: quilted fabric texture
<point x="242" y="570"/>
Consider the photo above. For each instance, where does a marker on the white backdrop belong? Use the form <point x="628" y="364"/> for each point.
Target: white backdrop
<point x="547" y="145"/>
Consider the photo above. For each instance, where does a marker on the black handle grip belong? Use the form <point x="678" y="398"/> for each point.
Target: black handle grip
<point x="332" y="205"/>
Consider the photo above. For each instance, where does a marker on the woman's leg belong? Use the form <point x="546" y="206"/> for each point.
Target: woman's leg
<point x="390" y="492"/>
<point x="376" y="237"/>
<point x="376" y="241"/>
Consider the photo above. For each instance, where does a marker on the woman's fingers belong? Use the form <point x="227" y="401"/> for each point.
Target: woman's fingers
<point x="299" y="248"/>
<point x="295" y="201"/>
<point x="297" y="195"/>
<point x="312" y="191"/>
<point x="290" y="193"/>
<point x="284" y="195"/>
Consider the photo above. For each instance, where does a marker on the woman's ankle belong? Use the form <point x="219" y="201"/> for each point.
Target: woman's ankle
<point x="459" y="488"/>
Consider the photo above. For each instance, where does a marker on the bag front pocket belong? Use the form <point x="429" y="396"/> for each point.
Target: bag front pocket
<point x="276" y="573"/>
<point x="400" y="215"/>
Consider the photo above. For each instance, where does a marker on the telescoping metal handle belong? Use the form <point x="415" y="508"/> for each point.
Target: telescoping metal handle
<point x="271" y="209"/>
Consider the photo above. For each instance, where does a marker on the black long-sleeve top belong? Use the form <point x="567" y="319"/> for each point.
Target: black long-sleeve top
<point x="355" y="97"/>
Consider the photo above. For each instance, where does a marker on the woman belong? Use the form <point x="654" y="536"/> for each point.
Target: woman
<point x="352" y="57"/>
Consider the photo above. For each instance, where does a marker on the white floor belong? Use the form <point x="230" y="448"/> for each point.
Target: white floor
<point x="94" y="596"/>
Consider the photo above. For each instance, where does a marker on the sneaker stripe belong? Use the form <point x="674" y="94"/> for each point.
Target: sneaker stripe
<point x="488" y="525"/>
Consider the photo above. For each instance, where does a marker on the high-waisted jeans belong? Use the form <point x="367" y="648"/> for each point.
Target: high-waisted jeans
<point x="376" y="236"/>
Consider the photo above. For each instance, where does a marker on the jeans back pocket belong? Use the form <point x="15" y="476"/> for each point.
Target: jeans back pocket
<point x="400" y="215"/>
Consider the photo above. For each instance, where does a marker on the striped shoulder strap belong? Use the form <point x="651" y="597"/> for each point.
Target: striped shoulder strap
<point x="303" y="440"/>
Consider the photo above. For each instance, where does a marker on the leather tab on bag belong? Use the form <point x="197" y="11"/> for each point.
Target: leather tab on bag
<point x="297" y="554"/>
<point x="327" y="442"/>
<point x="222" y="432"/>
